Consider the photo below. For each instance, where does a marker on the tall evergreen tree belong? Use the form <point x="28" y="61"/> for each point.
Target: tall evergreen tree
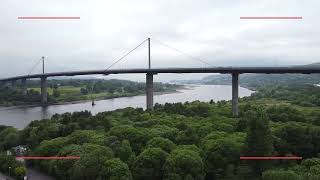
<point x="259" y="139"/>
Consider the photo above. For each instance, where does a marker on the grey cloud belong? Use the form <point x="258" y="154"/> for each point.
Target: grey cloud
<point x="209" y="29"/>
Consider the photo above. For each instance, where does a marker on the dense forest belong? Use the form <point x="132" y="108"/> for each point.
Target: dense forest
<point x="69" y="90"/>
<point x="193" y="140"/>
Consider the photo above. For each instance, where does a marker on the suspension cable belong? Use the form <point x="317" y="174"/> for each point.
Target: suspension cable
<point x="182" y="52"/>
<point x="126" y="54"/>
<point x="34" y="67"/>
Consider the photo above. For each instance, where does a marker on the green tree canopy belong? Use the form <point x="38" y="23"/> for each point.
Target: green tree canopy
<point x="125" y="152"/>
<point x="280" y="175"/>
<point x="163" y="143"/>
<point x="115" y="169"/>
<point x="219" y="155"/>
<point x="136" y="137"/>
<point x="184" y="164"/>
<point x="149" y="164"/>
<point x="90" y="164"/>
<point x="259" y="138"/>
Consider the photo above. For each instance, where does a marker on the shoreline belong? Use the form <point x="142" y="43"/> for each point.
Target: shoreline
<point x="252" y="88"/>
<point x="177" y="90"/>
<point x="20" y="117"/>
<point x="172" y="91"/>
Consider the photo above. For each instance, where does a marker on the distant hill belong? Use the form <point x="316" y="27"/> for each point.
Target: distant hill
<point x="312" y="65"/>
<point x="256" y="80"/>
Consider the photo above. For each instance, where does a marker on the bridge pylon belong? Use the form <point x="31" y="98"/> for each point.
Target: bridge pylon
<point x="149" y="82"/>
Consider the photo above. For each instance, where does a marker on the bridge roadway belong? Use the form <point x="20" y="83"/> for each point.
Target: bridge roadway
<point x="235" y="71"/>
<point x="223" y="70"/>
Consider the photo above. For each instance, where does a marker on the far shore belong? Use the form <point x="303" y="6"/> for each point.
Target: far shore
<point x="177" y="90"/>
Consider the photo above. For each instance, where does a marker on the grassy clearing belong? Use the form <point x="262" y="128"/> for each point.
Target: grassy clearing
<point x="71" y="93"/>
<point x="64" y="90"/>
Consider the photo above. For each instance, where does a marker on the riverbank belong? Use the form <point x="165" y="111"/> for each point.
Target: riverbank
<point x="121" y="96"/>
<point x="169" y="91"/>
<point x="21" y="117"/>
<point x="76" y="90"/>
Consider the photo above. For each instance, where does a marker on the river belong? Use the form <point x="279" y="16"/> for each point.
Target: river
<point x="20" y="117"/>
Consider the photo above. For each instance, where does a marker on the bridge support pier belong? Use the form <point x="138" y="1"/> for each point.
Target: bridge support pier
<point x="44" y="95"/>
<point x="149" y="91"/>
<point x="24" y="86"/>
<point x="235" y="94"/>
<point x="13" y="84"/>
<point x="5" y="84"/>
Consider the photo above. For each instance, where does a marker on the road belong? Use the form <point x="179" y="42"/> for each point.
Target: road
<point x="32" y="175"/>
<point x="223" y="70"/>
<point x="4" y="177"/>
<point x="37" y="175"/>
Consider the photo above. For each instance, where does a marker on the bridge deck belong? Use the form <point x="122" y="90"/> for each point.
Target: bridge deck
<point x="223" y="70"/>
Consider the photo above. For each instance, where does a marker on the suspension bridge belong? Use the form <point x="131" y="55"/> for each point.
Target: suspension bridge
<point x="150" y="72"/>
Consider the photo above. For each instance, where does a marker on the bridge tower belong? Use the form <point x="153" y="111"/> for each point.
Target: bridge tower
<point x="44" y="93"/>
<point x="149" y="82"/>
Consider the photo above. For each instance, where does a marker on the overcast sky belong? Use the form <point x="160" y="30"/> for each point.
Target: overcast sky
<point x="208" y="29"/>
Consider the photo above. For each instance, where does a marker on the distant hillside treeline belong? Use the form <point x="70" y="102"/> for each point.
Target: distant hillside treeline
<point x="69" y="90"/>
<point x="255" y="80"/>
<point x="259" y="80"/>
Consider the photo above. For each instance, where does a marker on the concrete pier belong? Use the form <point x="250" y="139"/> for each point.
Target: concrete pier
<point x="5" y="84"/>
<point x="235" y="94"/>
<point x="149" y="91"/>
<point x="24" y="86"/>
<point x="44" y="98"/>
<point x="14" y="84"/>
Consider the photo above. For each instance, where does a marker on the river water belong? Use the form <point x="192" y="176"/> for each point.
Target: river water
<point x="20" y="117"/>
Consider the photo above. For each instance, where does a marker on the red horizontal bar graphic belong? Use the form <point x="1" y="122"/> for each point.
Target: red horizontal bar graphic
<point x="270" y="158"/>
<point x="47" y="157"/>
<point x="271" y="17"/>
<point x="47" y="17"/>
